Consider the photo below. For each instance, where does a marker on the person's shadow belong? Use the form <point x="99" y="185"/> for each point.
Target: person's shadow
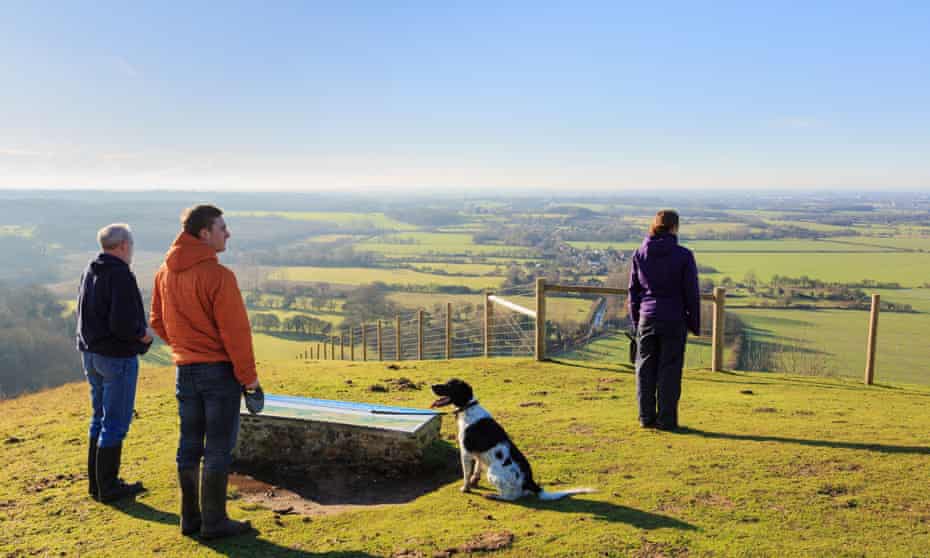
<point x="882" y="448"/>
<point x="605" y="511"/>
<point x="250" y="544"/>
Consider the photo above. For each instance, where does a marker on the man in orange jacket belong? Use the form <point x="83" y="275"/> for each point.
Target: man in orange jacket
<point x="198" y="310"/>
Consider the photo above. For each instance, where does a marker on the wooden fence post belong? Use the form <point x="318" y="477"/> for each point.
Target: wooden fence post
<point x="873" y="335"/>
<point x="351" y="343"/>
<point x="540" y="319"/>
<point x="448" y="330"/>
<point x="380" y="348"/>
<point x="332" y="347"/>
<point x="342" y="346"/>
<point x="720" y="299"/>
<point x="419" y="334"/>
<point x="364" y="342"/>
<point x="488" y="321"/>
<point x="397" y="346"/>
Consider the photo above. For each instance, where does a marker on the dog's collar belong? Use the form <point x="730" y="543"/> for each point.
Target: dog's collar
<point x="471" y="403"/>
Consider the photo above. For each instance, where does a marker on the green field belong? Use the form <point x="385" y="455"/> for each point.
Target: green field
<point x="754" y="246"/>
<point x="459" y="268"/>
<point x="767" y="465"/>
<point x="616" y="348"/>
<point x="343" y="219"/>
<point x="558" y="309"/>
<point x="835" y="340"/>
<point x="908" y="269"/>
<point x="425" y="244"/>
<point x="364" y="276"/>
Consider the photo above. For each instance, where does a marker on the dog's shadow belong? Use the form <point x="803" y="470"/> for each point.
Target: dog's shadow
<point x="605" y="511"/>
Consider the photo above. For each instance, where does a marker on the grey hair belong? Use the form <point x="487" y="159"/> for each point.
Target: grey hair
<point x="111" y="236"/>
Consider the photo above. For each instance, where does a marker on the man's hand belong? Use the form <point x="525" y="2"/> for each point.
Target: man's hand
<point x="148" y="337"/>
<point x="253" y="385"/>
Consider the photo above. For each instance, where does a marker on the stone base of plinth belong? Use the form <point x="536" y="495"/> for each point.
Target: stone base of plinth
<point x="302" y="433"/>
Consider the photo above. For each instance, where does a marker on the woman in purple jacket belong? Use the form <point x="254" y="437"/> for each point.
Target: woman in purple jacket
<point x="664" y="306"/>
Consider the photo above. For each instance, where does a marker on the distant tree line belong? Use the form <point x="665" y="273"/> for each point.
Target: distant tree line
<point x="37" y="348"/>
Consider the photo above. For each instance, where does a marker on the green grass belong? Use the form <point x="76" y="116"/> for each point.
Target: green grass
<point x="362" y="276"/>
<point x="836" y="339"/>
<point x="798" y="467"/>
<point x="756" y="246"/>
<point x="615" y="348"/>
<point x="340" y="218"/>
<point x="558" y="309"/>
<point x="908" y="269"/>
<point x="424" y="244"/>
<point x="459" y="269"/>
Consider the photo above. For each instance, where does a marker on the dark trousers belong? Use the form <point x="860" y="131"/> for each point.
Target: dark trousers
<point x="208" y="404"/>
<point x="659" y="360"/>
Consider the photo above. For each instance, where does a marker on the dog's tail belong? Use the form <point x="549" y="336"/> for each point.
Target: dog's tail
<point x="549" y="496"/>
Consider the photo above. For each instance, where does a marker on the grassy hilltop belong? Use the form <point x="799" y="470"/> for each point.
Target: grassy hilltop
<point x="768" y="465"/>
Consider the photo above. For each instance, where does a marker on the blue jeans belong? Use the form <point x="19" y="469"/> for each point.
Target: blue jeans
<point x="659" y="360"/>
<point x="112" y="395"/>
<point x="208" y="404"/>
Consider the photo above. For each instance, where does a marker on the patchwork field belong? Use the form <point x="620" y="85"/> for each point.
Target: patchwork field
<point x="346" y="219"/>
<point x="363" y="276"/>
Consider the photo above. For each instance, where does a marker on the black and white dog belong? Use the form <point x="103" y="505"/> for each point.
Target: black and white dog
<point x="484" y="443"/>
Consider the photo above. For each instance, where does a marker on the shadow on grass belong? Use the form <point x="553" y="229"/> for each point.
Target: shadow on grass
<point x="606" y="511"/>
<point x="245" y="545"/>
<point x="145" y="512"/>
<point x="253" y="545"/>
<point x="620" y="369"/>
<point x="882" y="448"/>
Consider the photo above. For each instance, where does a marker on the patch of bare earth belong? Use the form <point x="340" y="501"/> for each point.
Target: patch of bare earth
<point x="650" y="549"/>
<point x="485" y="542"/>
<point x="335" y="490"/>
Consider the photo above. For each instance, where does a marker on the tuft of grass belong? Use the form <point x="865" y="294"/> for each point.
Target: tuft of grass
<point x="848" y="480"/>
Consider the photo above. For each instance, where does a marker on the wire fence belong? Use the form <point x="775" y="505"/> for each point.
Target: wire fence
<point x="591" y="326"/>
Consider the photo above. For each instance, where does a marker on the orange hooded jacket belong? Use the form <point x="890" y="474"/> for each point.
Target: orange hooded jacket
<point x="198" y="310"/>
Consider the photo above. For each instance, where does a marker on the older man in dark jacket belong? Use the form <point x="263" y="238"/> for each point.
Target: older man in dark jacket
<point x="111" y="334"/>
<point x="664" y="305"/>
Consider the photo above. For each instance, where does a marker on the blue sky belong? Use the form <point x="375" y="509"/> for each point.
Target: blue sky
<point x="382" y="95"/>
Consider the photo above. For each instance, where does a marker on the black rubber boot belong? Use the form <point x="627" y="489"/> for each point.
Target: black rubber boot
<point x="110" y="486"/>
<point x="92" y="469"/>
<point x="189" y="480"/>
<point x="216" y="524"/>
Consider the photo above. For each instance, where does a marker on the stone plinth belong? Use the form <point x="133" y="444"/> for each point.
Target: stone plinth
<point x="298" y="432"/>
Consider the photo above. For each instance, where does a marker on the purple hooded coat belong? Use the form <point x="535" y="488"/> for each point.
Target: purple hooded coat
<point x="664" y="283"/>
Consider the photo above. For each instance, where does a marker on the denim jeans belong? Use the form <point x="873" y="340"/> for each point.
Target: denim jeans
<point x="659" y="360"/>
<point x="112" y="395"/>
<point x="208" y="404"/>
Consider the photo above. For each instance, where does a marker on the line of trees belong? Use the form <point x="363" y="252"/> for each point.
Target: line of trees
<point x="37" y="348"/>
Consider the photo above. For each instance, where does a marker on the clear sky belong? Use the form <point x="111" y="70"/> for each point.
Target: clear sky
<point x="442" y="95"/>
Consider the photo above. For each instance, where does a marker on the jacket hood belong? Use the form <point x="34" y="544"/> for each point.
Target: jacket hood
<point x="660" y="244"/>
<point x="107" y="262"/>
<point x="188" y="251"/>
